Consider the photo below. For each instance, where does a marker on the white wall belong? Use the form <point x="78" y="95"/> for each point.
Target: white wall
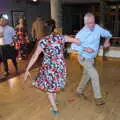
<point x="112" y="52"/>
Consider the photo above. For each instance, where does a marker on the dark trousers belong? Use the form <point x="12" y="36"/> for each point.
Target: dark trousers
<point x="8" y="52"/>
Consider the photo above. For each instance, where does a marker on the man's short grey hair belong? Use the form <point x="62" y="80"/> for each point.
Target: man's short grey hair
<point x="88" y="15"/>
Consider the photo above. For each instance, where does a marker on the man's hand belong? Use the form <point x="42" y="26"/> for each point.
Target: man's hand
<point x="106" y="44"/>
<point x="89" y="50"/>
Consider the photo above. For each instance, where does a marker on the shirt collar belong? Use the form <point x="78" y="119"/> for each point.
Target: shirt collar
<point x="90" y="29"/>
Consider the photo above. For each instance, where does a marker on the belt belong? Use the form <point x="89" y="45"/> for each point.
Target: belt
<point x="83" y="58"/>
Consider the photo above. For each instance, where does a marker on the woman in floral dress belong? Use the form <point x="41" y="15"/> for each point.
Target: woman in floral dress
<point x="52" y="74"/>
<point x="22" y="38"/>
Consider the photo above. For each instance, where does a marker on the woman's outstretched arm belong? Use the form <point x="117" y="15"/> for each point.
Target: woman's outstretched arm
<point x="32" y="61"/>
<point x="72" y="40"/>
<point x="34" y="57"/>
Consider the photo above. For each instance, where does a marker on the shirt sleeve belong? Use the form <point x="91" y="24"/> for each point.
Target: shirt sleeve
<point x="105" y="33"/>
<point x="13" y="32"/>
<point x="74" y="46"/>
<point x="78" y="35"/>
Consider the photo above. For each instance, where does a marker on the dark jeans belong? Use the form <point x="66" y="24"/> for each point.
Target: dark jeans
<point x="8" y="52"/>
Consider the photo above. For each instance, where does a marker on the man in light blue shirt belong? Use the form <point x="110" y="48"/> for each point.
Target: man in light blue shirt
<point x="7" y="51"/>
<point x="9" y="34"/>
<point x="89" y="37"/>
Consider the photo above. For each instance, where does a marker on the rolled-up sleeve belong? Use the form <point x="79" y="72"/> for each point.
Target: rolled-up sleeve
<point x="74" y="47"/>
<point x="105" y="33"/>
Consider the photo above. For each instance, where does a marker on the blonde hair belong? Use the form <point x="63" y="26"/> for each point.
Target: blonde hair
<point x="88" y="15"/>
<point x="57" y="31"/>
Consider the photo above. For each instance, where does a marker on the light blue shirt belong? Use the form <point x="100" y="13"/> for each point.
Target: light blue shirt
<point x="9" y="33"/>
<point x="90" y="38"/>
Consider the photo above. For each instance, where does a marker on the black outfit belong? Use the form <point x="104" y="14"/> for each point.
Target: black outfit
<point x="8" y="52"/>
<point x="51" y="25"/>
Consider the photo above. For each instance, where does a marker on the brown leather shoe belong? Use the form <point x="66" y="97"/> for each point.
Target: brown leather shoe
<point x="99" y="101"/>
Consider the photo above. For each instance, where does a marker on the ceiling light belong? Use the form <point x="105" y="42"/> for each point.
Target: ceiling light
<point x="34" y="0"/>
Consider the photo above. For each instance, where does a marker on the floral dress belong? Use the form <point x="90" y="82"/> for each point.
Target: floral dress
<point x="21" y="34"/>
<point x="53" y="70"/>
<point x="22" y="40"/>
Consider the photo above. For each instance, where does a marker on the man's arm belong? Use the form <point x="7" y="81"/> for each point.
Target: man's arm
<point x="1" y="35"/>
<point x="13" y="34"/>
<point x="106" y="43"/>
<point x="86" y="49"/>
<point x="89" y="50"/>
<point x="1" y="32"/>
<point x="107" y="35"/>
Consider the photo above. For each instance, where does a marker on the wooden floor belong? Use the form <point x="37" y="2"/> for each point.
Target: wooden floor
<point x="20" y="101"/>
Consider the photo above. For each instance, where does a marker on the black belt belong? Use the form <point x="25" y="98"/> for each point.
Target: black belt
<point x="83" y="58"/>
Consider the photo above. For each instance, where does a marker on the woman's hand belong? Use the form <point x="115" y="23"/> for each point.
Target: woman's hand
<point x="27" y="74"/>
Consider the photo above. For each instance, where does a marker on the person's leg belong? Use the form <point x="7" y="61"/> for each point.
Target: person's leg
<point x="84" y="80"/>
<point x="5" y="63"/>
<point x="55" y="96"/>
<point x="95" y="84"/>
<point x="4" y="58"/>
<point x="95" y="81"/>
<point x="15" y="64"/>
<point x="0" y="58"/>
<point x="13" y="57"/>
<point x="52" y="101"/>
<point x="85" y="77"/>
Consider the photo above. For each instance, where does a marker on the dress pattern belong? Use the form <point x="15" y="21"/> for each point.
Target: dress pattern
<point x="21" y="42"/>
<point x="53" y="70"/>
<point x="21" y="34"/>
